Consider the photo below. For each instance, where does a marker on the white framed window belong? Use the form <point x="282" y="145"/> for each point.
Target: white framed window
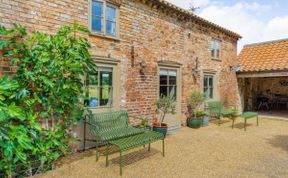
<point x="104" y="18"/>
<point x="99" y="88"/>
<point x="208" y="86"/>
<point x="168" y="83"/>
<point x="215" y="48"/>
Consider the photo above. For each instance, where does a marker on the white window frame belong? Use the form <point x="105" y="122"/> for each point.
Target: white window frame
<point x="209" y="86"/>
<point x="213" y="41"/>
<point x="103" y="28"/>
<point x="110" y="100"/>
<point x="168" y="85"/>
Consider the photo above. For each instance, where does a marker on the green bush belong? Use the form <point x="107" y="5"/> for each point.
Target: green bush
<point x="165" y="105"/>
<point x="46" y="88"/>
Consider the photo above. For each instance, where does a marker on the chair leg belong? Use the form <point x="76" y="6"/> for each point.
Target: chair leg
<point x="120" y="163"/>
<point x="149" y="147"/>
<point x="233" y="120"/>
<point x="245" y="124"/>
<point x="97" y="156"/>
<point x="107" y="146"/>
<point x="257" y="120"/>
<point x="163" y="148"/>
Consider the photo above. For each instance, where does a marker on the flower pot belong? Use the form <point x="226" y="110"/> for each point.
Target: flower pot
<point x="205" y="121"/>
<point x="160" y="128"/>
<point x="194" y="122"/>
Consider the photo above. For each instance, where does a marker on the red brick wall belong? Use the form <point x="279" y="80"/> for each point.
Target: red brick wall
<point x="156" y="35"/>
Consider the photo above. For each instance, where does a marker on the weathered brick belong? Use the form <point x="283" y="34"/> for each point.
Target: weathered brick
<point x="156" y="36"/>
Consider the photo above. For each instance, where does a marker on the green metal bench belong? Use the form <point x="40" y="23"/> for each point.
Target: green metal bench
<point x="112" y="128"/>
<point x="248" y="115"/>
<point x="124" y="144"/>
<point x="217" y="110"/>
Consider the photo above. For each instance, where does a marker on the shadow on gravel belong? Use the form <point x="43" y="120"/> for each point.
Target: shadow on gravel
<point x="134" y="156"/>
<point x="241" y="126"/>
<point x="279" y="141"/>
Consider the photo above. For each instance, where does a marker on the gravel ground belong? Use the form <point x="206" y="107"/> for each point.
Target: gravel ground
<point x="213" y="151"/>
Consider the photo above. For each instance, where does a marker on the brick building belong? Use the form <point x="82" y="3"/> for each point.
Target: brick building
<point x="143" y="48"/>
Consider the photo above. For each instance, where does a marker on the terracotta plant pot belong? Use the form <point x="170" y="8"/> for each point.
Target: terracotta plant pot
<point x="161" y="128"/>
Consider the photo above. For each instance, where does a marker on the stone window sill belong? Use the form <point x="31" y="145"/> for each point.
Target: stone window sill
<point x="101" y="35"/>
<point x="216" y="59"/>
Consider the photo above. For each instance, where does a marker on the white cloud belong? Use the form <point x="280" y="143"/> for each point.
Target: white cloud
<point x="276" y="28"/>
<point x="245" y="18"/>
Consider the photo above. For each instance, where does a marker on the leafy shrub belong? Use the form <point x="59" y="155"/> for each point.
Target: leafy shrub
<point x="46" y="88"/>
<point x="165" y="105"/>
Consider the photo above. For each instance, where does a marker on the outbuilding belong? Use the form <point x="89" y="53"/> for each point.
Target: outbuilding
<point x="263" y="77"/>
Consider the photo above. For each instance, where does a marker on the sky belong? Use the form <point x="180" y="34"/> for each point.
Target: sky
<point x="255" y="20"/>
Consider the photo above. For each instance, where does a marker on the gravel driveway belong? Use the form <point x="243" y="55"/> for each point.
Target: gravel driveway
<point x="213" y="151"/>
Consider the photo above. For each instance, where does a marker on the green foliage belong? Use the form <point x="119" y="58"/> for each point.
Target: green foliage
<point x="200" y="113"/>
<point x="196" y="99"/>
<point x="144" y="122"/>
<point x="46" y="88"/>
<point x="165" y="105"/>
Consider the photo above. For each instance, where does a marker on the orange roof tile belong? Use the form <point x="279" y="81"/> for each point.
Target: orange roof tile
<point x="266" y="56"/>
<point x="196" y="17"/>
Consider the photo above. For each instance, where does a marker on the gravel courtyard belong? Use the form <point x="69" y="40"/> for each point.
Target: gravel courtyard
<point x="213" y="151"/>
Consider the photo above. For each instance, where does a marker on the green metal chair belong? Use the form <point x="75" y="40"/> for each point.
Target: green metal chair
<point x="110" y="126"/>
<point x="217" y="110"/>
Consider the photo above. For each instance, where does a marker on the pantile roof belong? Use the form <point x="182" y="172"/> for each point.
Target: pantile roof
<point x="266" y="56"/>
<point x="195" y="17"/>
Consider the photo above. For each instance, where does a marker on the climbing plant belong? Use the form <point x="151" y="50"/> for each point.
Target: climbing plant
<point x="43" y="99"/>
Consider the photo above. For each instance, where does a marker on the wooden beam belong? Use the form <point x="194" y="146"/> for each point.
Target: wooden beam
<point x="262" y="74"/>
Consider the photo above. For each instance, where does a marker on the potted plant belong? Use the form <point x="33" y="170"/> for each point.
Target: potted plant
<point x="195" y="119"/>
<point x="165" y="105"/>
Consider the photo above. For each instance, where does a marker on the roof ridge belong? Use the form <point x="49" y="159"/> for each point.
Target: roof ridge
<point x="193" y="15"/>
<point x="266" y="42"/>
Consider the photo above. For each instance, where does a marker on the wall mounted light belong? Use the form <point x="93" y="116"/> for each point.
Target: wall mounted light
<point x="142" y="64"/>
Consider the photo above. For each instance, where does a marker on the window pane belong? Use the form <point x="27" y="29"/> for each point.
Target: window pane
<point x="172" y="80"/>
<point x="106" y="78"/>
<point x="163" y="80"/>
<point x="93" y="96"/>
<point x="163" y="91"/>
<point x="217" y="53"/>
<point x="172" y="72"/>
<point x="173" y="91"/>
<point x="92" y="79"/>
<point x="210" y="81"/>
<point x="163" y="72"/>
<point x="217" y="44"/>
<point x="111" y="14"/>
<point x="97" y="8"/>
<point x="105" y="95"/>
<point x="205" y="81"/>
<point x="211" y="92"/>
<point x="110" y="28"/>
<point x="213" y="53"/>
<point x="96" y="23"/>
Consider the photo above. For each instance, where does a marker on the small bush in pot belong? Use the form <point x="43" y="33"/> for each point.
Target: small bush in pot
<point x="165" y="105"/>
<point x="194" y="119"/>
<point x="197" y="120"/>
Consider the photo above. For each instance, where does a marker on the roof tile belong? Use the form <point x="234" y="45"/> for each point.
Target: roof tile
<point x="266" y="56"/>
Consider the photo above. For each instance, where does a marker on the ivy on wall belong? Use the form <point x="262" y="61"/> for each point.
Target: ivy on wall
<point x="46" y="88"/>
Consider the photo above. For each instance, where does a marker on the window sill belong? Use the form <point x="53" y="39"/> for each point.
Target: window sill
<point x="216" y="59"/>
<point x="99" y="107"/>
<point x="101" y="35"/>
